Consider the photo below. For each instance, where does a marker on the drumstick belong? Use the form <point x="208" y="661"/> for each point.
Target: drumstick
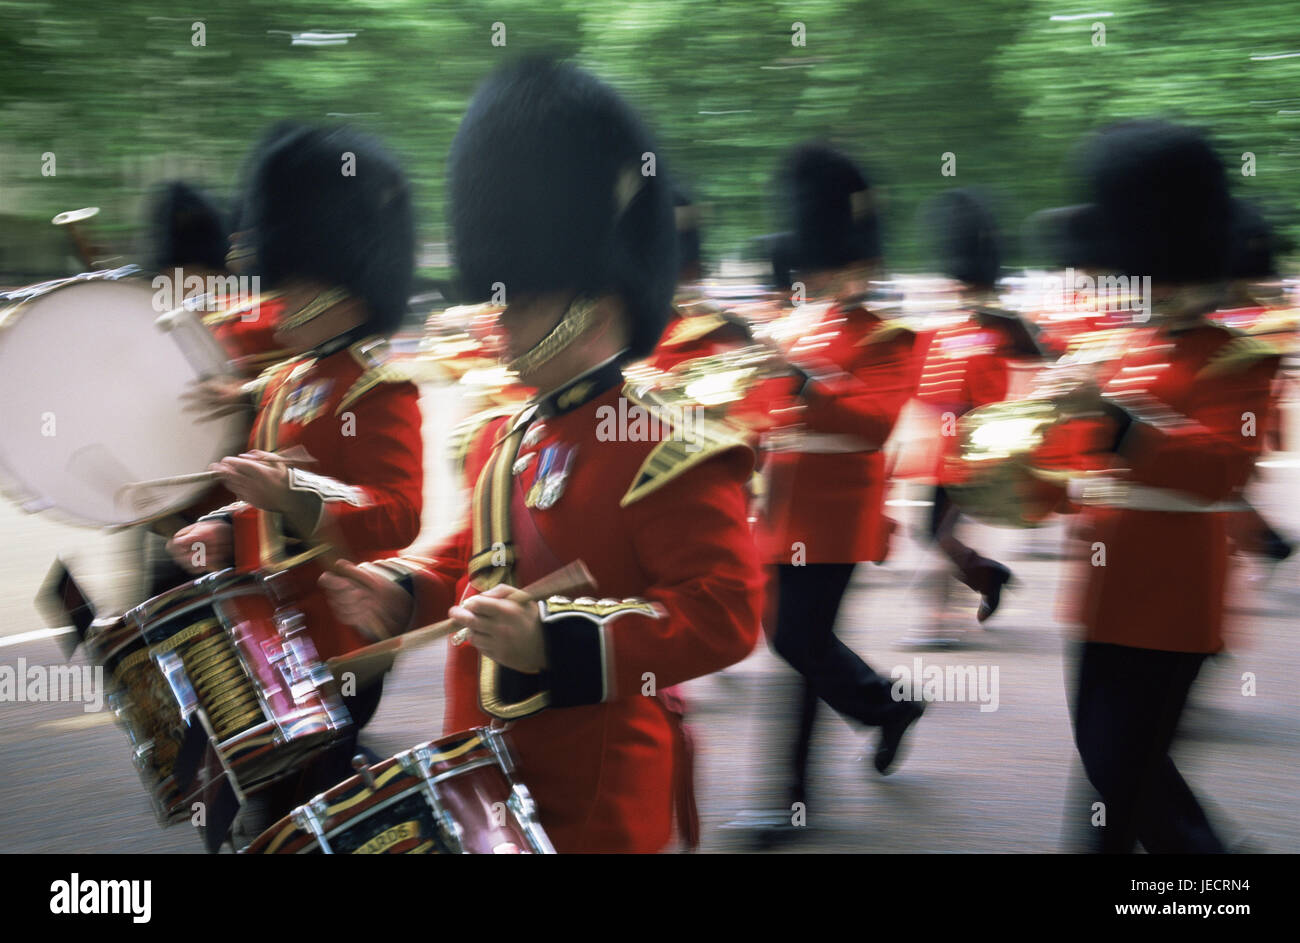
<point x="194" y="477"/>
<point x="371" y="661"/>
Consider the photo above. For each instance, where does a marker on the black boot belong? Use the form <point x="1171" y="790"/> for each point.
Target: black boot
<point x="987" y="577"/>
<point x="765" y="829"/>
<point x="993" y="577"/>
<point x="1276" y="547"/>
<point x="891" y="734"/>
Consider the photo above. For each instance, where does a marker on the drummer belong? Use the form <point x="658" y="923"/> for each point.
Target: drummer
<point x="584" y="243"/>
<point x="187" y="244"/>
<point x="339" y="250"/>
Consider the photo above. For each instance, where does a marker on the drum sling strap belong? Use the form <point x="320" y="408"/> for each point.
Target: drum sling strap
<point x="503" y="693"/>
<point x="259" y="535"/>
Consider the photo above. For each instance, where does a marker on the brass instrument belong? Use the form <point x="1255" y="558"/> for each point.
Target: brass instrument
<point x="994" y="475"/>
<point x="713" y="382"/>
<point x="91" y="255"/>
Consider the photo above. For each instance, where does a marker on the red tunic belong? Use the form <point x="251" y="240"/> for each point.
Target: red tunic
<point x="247" y="332"/>
<point x="697" y="329"/>
<point x="360" y="420"/>
<point x="826" y="494"/>
<point x="700" y="329"/>
<point x="1163" y="582"/>
<point x="966" y="365"/>
<point x="603" y="766"/>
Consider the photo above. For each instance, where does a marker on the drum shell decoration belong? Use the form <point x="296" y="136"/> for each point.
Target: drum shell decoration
<point x="454" y="795"/>
<point x="226" y="661"/>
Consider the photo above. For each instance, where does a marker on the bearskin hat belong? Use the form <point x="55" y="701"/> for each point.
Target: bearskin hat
<point x="1254" y="243"/>
<point x="1062" y="237"/>
<point x="961" y="228"/>
<point x="186" y="228"/>
<point x="332" y="205"/>
<point x="780" y="255"/>
<point x="1161" y="199"/>
<point x="551" y="189"/>
<point x="686" y="216"/>
<point x="828" y="202"/>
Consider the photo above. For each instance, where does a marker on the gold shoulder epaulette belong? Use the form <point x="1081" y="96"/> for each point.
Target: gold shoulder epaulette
<point x="1240" y="353"/>
<point x="683" y="449"/>
<point x="887" y="331"/>
<point x="215" y="318"/>
<point x="237" y="311"/>
<point x="693" y="327"/>
<point x="463" y="434"/>
<point x="372" y="354"/>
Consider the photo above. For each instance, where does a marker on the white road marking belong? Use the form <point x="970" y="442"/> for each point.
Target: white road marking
<point x="33" y="636"/>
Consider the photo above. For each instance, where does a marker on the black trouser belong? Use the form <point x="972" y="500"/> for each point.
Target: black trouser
<point x="1127" y="705"/>
<point x="944" y="516"/>
<point x="808" y="603"/>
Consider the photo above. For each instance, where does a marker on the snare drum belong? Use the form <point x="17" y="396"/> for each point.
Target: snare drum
<point x="224" y="662"/>
<point x="456" y="795"/>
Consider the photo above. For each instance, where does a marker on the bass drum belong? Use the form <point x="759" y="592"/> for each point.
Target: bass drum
<point x="91" y="375"/>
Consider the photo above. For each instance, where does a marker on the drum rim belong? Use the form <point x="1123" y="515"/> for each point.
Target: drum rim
<point x="472" y="739"/>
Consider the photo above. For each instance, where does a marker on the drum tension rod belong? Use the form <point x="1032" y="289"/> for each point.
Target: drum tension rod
<point x="362" y="769"/>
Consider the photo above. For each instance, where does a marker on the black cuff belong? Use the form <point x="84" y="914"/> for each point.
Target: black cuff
<point x="1124" y="421"/>
<point x="225" y="517"/>
<point x="575" y="658"/>
<point x="803" y="377"/>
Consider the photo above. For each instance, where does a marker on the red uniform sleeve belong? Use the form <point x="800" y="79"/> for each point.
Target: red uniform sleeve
<point x="986" y="378"/>
<point x="701" y="611"/>
<point x="1211" y="454"/>
<point x="375" y="504"/>
<point x="866" y="402"/>
<point x="433" y="578"/>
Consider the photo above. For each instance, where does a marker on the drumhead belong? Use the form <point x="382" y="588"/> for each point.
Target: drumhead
<point x="90" y="404"/>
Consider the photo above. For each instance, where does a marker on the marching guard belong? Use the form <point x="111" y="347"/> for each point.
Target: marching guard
<point x="967" y="365"/>
<point x="1184" y="417"/>
<point x="581" y="236"/>
<point x="340" y="251"/>
<point x="851" y="373"/>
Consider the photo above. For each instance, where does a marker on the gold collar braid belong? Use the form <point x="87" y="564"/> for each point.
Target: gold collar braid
<point x="314" y="308"/>
<point x="573" y="325"/>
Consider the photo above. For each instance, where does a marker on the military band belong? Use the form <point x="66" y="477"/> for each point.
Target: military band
<point x="746" y="510"/>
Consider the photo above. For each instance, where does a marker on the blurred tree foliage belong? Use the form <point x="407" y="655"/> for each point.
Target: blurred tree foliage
<point x="124" y="95"/>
